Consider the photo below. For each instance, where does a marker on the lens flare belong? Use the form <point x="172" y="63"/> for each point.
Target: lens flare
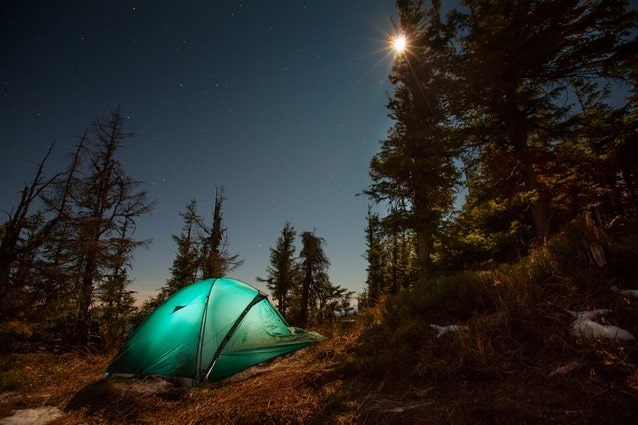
<point x="399" y="43"/>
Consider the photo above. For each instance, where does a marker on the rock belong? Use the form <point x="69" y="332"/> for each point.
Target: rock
<point x="36" y="416"/>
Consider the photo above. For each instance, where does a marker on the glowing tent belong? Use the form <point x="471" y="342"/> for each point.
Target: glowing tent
<point x="208" y="330"/>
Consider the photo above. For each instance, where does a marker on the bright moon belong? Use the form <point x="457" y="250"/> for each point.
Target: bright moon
<point x="399" y="43"/>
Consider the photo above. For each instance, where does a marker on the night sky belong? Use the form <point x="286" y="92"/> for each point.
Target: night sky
<point x="280" y="102"/>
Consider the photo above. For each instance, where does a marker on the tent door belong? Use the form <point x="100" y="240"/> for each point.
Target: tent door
<point x="231" y="331"/>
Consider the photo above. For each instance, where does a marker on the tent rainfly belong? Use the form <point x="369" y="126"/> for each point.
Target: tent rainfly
<point x="208" y="331"/>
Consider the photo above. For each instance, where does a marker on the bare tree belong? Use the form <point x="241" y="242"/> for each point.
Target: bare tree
<point x="25" y="232"/>
<point x="105" y="204"/>
<point x="216" y="261"/>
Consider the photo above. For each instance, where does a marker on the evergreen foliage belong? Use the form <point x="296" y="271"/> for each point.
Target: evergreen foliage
<point x="511" y="119"/>
<point x="202" y="251"/>
<point x="185" y="265"/>
<point x="532" y="102"/>
<point x="301" y="286"/>
<point x="216" y="261"/>
<point x="283" y="272"/>
<point x="414" y="171"/>
<point x="376" y="280"/>
<point x="65" y="272"/>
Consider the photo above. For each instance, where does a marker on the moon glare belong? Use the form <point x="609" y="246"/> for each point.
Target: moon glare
<point x="399" y="43"/>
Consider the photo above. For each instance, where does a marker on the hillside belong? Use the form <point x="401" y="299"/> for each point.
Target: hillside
<point x="517" y="362"/>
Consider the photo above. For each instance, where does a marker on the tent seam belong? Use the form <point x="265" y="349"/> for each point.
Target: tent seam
<point x="202" y="329"/>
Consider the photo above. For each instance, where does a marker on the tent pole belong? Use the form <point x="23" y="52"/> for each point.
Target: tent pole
<point x="231" y="331"/>
<point x="198" y="360"/>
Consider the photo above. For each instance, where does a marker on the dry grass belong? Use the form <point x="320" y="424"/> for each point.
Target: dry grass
<point x="390" y="368"/>
<point x="291" y="390"/>
<point x="472" y="378"/>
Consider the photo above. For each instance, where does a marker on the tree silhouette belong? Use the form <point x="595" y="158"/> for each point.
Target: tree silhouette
<point x="283" y="272"/>
<point x="314" y="277"/>
<point x="216" y="261"/>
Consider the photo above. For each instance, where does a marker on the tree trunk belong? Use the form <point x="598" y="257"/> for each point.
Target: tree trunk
<point x="538" y="206"/>
<point x="85" y="299"/>
<point x="305" y="295"/>
<point x="518" y="134"/>
<point x="423" y="256"/>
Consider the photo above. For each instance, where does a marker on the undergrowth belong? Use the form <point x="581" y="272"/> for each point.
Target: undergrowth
<point x="390" y="367"/>
<point x="518" y="334"/>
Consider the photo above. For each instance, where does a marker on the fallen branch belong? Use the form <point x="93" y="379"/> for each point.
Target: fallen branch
<point x="564" y="370"/>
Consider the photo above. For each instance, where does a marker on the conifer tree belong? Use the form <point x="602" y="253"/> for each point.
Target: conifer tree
<point x="314" y="276"/>
<point x="185" y="267"/>
<point x="105" y="202"/>
<point x="76" y="247"/>
<point x="283" y="272"/>
<point x="116" y="302"/>
<point x="521" y="63"/>
<point x="414" y="171"/>
<point x="376" y="279"/>
<point x="216" y="261"/>
<point x="24" y="234"/>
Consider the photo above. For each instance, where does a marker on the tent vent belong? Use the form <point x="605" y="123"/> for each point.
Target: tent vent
<point x="178" y="307"/>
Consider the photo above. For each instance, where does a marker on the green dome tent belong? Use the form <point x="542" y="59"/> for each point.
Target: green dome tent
<point x="208" y="330"/>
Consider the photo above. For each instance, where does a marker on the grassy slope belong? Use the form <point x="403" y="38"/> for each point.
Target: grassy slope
<point x="389" y="367"/>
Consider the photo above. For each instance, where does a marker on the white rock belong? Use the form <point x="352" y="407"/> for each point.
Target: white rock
<point x="586" y="315"/>
<point x="584" y="327"/>
<point x="37" y="416"/>
<point x="633" y="293"/>
<point x="442" y="330"/>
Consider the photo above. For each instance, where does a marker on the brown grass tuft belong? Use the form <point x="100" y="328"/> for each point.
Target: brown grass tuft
<point x="517" y="362"/>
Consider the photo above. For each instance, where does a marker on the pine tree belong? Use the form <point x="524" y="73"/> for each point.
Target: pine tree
<point x="116" y="302"/>
<point x="414" y="171"/>
<point x="76" y="248"/>
<point x="332" y="300"/>
<point x="186" y="263"/>
<point x="376" y="279"/>
<point x="400" y="248"/>
<point x="521" y="63"/>
<point x="105" y="202"/>
<point x="24" y="235"/>
<point x="283" y="272"/>
<point x="314" y="277"/>
<point x="215" y="259"/>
